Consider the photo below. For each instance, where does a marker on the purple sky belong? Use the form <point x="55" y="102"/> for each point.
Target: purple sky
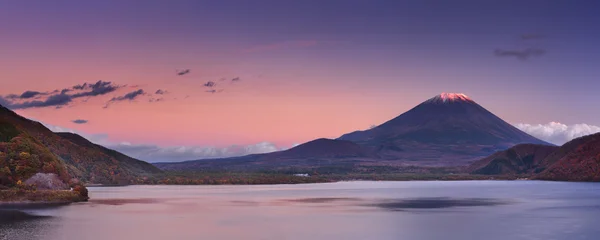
<point x="308" y="69"/>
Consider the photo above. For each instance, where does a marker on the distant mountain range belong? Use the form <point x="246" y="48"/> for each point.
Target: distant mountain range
<point x="577" y="160"/>
<point x="446" y="130"/>
<point x="27" y="147"/>
<point x="449" y="131"/>
<point x="316" y="153"/>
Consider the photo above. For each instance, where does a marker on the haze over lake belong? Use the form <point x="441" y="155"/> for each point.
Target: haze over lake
<point x="346" y="210"/>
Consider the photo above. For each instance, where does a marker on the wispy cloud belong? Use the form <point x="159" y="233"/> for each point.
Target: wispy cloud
<point x="29" y="94"/>
<point x="99" y="88"/>
<point x="281" y="45"/>
<point x="127" y="97"/>
<point x="520" y="54"/>
<point x="532" y="36"/>
<point x="215" y="91"/>
<point x="80" y="121"/>
<point x="210" y="84"/>
<point x="161" y="92"/>
<point x="154" y="153"/>
<point x="57" y="98"/>
<point x="558" y="133"/>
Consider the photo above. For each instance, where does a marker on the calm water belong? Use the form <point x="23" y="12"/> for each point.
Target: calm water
<point x="349" y="210"/>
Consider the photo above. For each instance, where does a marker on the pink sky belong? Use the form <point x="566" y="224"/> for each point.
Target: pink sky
<point x="307" y="70"/>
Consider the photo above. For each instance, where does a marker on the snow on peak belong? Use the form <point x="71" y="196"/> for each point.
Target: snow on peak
<point x="450" y="97"/>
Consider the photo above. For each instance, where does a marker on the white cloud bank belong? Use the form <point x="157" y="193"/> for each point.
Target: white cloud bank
<point x="557" y="133"/>
<point x="154" y="153"/>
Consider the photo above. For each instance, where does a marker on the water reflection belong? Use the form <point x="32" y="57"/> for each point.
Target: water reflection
<point x="117" y="202"/>
<point x="433" y="203"/>
<point x="21" y="225"/>
<point x="10" y="215"/>
<point x="355" y="210"/>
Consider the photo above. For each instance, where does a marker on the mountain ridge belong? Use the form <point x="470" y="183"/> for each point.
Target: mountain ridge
<point x="444" y="131"/>
<point x="28" y="147"/>
<point x="448" y="119"/>
<point x="576" y="160"/>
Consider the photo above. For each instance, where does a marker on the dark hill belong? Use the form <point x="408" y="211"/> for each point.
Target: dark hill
<point x="320" y="152"/>
<point x="131" y="164"/>
<point x="322" y="147"/>
<point x="577" y="160"/>
<point x="27" y="147"/>
<point x="520" y="159"/>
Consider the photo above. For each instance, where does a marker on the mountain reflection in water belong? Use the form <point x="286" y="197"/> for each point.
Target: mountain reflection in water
<point x="350" y="210"/>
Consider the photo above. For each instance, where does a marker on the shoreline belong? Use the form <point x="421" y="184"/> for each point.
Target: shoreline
<point x="17" y="197"/>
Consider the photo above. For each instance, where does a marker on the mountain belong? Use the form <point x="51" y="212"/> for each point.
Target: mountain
<point x="520" y="159"/>
<point x="577" y="160"/>
<point x="447" y="130"/>
<point x="311" y="154"/>
<point x="132" y="165"/>
<point x="27" y="147"/>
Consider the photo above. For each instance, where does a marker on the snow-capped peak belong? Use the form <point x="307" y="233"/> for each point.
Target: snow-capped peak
<point x="450" y="97"/>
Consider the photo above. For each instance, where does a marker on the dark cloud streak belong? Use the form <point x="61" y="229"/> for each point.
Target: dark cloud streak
<point x="532" y="36"/>
<point x="29" y="94"/>
<point x="57" y="98"/>
<point x="210" y="84"/>
<point x="127" y="97"/>
<point x="99" y="88"/>
<point x="80" y="121"/>
<point x="520" y="54"/>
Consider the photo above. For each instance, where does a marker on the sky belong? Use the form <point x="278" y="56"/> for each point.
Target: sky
<point x="266" y="75"/>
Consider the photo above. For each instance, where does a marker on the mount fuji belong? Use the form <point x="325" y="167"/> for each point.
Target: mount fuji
<point x="448" y="129"/>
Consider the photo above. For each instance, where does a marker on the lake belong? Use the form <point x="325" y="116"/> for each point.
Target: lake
<point x="448" y="210"/>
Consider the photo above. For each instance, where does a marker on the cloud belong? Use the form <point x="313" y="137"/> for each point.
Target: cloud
<point x="281" y="45"/>
<point x="183" y="72"/>
<point x="4" y="102"/>
<point x="80" y="121"/>
<point x="154" y="153"/>
<point x="161" y="92"/>
<point x="520" y="54"/>
<point x="80" y="86"/>
<point x="214" y="91"/>
<point x="557" y="133"/>
<point x="127" y="97"/>
<point x="532" y="36"/>
<point x="96" y="89"/>
<point x="57" y="98"/>
<point x="29" y="94"/>
<point x="235" y="79"/>
<point x="210" y="84"/>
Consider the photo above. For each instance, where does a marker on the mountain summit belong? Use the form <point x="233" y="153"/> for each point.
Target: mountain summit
<point x="448" y="129"/>
<point x="450" y="97"/>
